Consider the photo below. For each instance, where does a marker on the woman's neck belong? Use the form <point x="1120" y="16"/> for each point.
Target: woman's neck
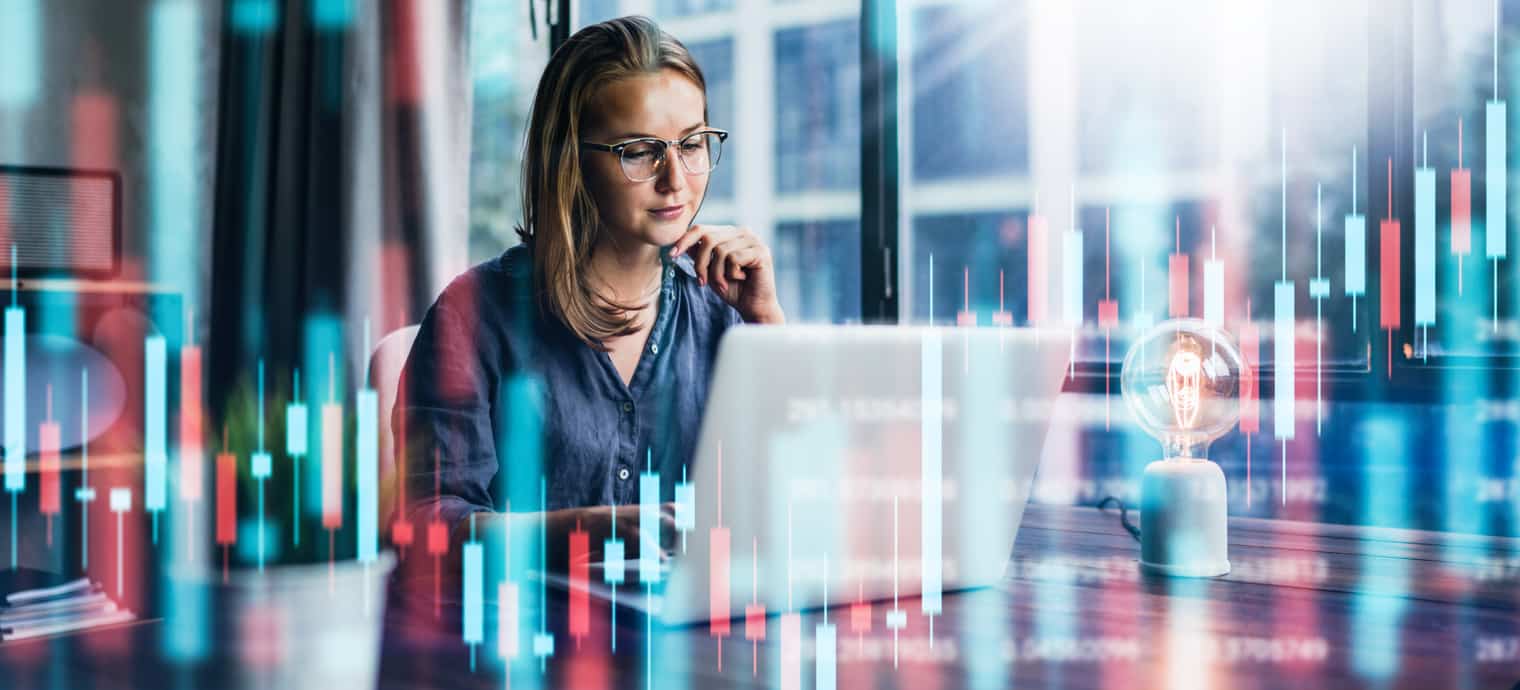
<point x="630" y="271"/>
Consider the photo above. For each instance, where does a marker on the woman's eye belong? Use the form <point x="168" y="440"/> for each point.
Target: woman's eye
<point x="638" y="154"/>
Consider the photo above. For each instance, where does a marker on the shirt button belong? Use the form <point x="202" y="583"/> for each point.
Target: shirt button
<point x="654" y="348"/>
<point x="623" y="473"/>
<point x="627" y="407"/>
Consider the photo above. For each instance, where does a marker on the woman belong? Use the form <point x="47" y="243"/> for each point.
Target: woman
<point x="603" y="324"/>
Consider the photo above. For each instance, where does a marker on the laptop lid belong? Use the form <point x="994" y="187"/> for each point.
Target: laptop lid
<point x="846" y="463"/>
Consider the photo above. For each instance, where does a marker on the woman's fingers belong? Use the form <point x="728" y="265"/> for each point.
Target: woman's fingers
<point x="685" y="242"/>
<point x="698" y="242"/>
<point x="746" y="256"/>
<point x="705" y="244"/>
<point x="736" y="254"/>
<point x="717" y="265"/>
<point x="628" y="530"/>
<point x="700" y="255"/>
<point x="709" y="257"/>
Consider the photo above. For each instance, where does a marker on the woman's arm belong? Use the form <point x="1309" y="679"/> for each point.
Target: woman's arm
<point x="443" y="425"/>
<point x="456" y="364"/>
<point x="596" y="521"/>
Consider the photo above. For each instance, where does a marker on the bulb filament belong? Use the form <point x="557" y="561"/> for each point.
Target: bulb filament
<point x="1184" y="381"/>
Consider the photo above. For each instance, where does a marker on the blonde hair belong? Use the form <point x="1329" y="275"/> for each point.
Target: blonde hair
<point x="560" y="218"/>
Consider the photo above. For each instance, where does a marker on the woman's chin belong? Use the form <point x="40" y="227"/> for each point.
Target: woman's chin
<point x="664" y="233"/>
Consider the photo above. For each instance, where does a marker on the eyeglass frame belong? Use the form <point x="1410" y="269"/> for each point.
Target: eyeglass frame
<point x="664" y="151"/>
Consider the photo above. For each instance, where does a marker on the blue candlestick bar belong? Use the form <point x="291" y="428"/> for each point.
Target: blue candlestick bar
<point x="614" y="570"/>
<point x="1356" y="249"/>
<point x="261" y="465"/>
<point x="1496" y="245"/>
<point x="1282" y="360"/>
<point x="367" y="471"/>
<point x="1213" y="283"/>
<point x="1282" y="375"/>
<point x="15" y="399"/>
<point x="155" y="428"/>
<point x="1425" y="245"/>
<point x="1071" y="273"/>
<point x="649" y="527"/>
<point x="295" y="447"/>
<point x="686" y="507"/>
<point x="931" y="432"/>
<point x="85" y="494"/>
<point x="15" y="403"/>
<point x="474" y="592"/>
<point x="366" y="449"/>
<point x="120" y="502"/>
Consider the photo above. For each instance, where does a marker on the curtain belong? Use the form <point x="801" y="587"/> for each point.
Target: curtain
<point x="341" y="198"/>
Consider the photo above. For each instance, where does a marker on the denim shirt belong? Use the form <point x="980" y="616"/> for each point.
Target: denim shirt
<point x="485" y="337"/>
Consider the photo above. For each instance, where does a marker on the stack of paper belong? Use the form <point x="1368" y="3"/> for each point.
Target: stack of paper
<point x="70" y="606"/>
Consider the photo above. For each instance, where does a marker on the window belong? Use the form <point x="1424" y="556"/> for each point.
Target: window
<point x="505" y="64"/>
<point x="716" y="58"/>
<point x="818" y="107"/>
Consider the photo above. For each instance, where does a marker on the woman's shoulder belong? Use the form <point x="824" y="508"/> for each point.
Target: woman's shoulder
<point x="489" y="299"/>
<point x="504" y="280"/>
<point x="476" y="317"/>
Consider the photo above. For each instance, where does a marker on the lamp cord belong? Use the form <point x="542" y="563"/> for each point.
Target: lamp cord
<point x="1123" y="515"/>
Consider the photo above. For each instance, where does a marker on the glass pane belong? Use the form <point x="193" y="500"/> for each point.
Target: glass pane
<point x="831" y="290"/>
<point x="505" y="64"/>
<point x="968" y="98"/>
<point x="588" y="12"/>
<point x="818" y="120"/>
<point x="686" y="8"/>
<point x="716" y="58"/>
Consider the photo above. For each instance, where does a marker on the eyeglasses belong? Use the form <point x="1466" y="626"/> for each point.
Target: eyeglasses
<point x="642" y="158"/>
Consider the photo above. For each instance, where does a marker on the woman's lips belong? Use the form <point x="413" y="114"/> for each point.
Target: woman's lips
<point x="668" y="213"/>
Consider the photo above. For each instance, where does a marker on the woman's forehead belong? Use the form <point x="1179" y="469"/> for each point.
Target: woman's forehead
<point x="664" y="104"/>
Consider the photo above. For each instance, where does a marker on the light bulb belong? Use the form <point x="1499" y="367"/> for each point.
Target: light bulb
<point x="1181" y="381"/>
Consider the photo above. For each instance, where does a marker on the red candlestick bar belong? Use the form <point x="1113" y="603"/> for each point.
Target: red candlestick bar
<point x="191" y="460"/>
<point x="1461" y="210"/>
<point x="402" y="533"/>
<point x="1388" y="271"/>
<point x="580" y="563"/>
<point x="718" y="583"/>
<point x="226" y="499"/>
<point x="1177" y="279"/>
<point x="49" y="437"/>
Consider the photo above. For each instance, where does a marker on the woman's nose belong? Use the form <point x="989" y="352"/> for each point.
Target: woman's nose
<point x="672" y="177"/>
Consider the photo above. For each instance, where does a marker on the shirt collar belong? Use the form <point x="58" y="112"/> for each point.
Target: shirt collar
<point x="682" y="263"/>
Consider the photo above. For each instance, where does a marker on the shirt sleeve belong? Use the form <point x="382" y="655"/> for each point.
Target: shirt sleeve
<point x="444" y="422"/>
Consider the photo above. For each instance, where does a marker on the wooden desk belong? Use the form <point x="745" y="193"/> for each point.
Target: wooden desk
<point x="1307" y="606"/>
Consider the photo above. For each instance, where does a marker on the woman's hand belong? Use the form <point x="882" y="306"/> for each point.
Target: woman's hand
<point x="597" y="522"/>
<point x="737" y="265"/>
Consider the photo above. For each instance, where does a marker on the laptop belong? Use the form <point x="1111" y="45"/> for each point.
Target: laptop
<point x="843" y="464"/>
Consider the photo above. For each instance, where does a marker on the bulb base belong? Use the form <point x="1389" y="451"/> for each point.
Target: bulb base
<point x="1183" y="525"/>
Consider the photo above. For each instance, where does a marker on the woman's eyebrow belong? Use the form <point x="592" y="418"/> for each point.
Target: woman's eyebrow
<point x="642" y="135"/>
